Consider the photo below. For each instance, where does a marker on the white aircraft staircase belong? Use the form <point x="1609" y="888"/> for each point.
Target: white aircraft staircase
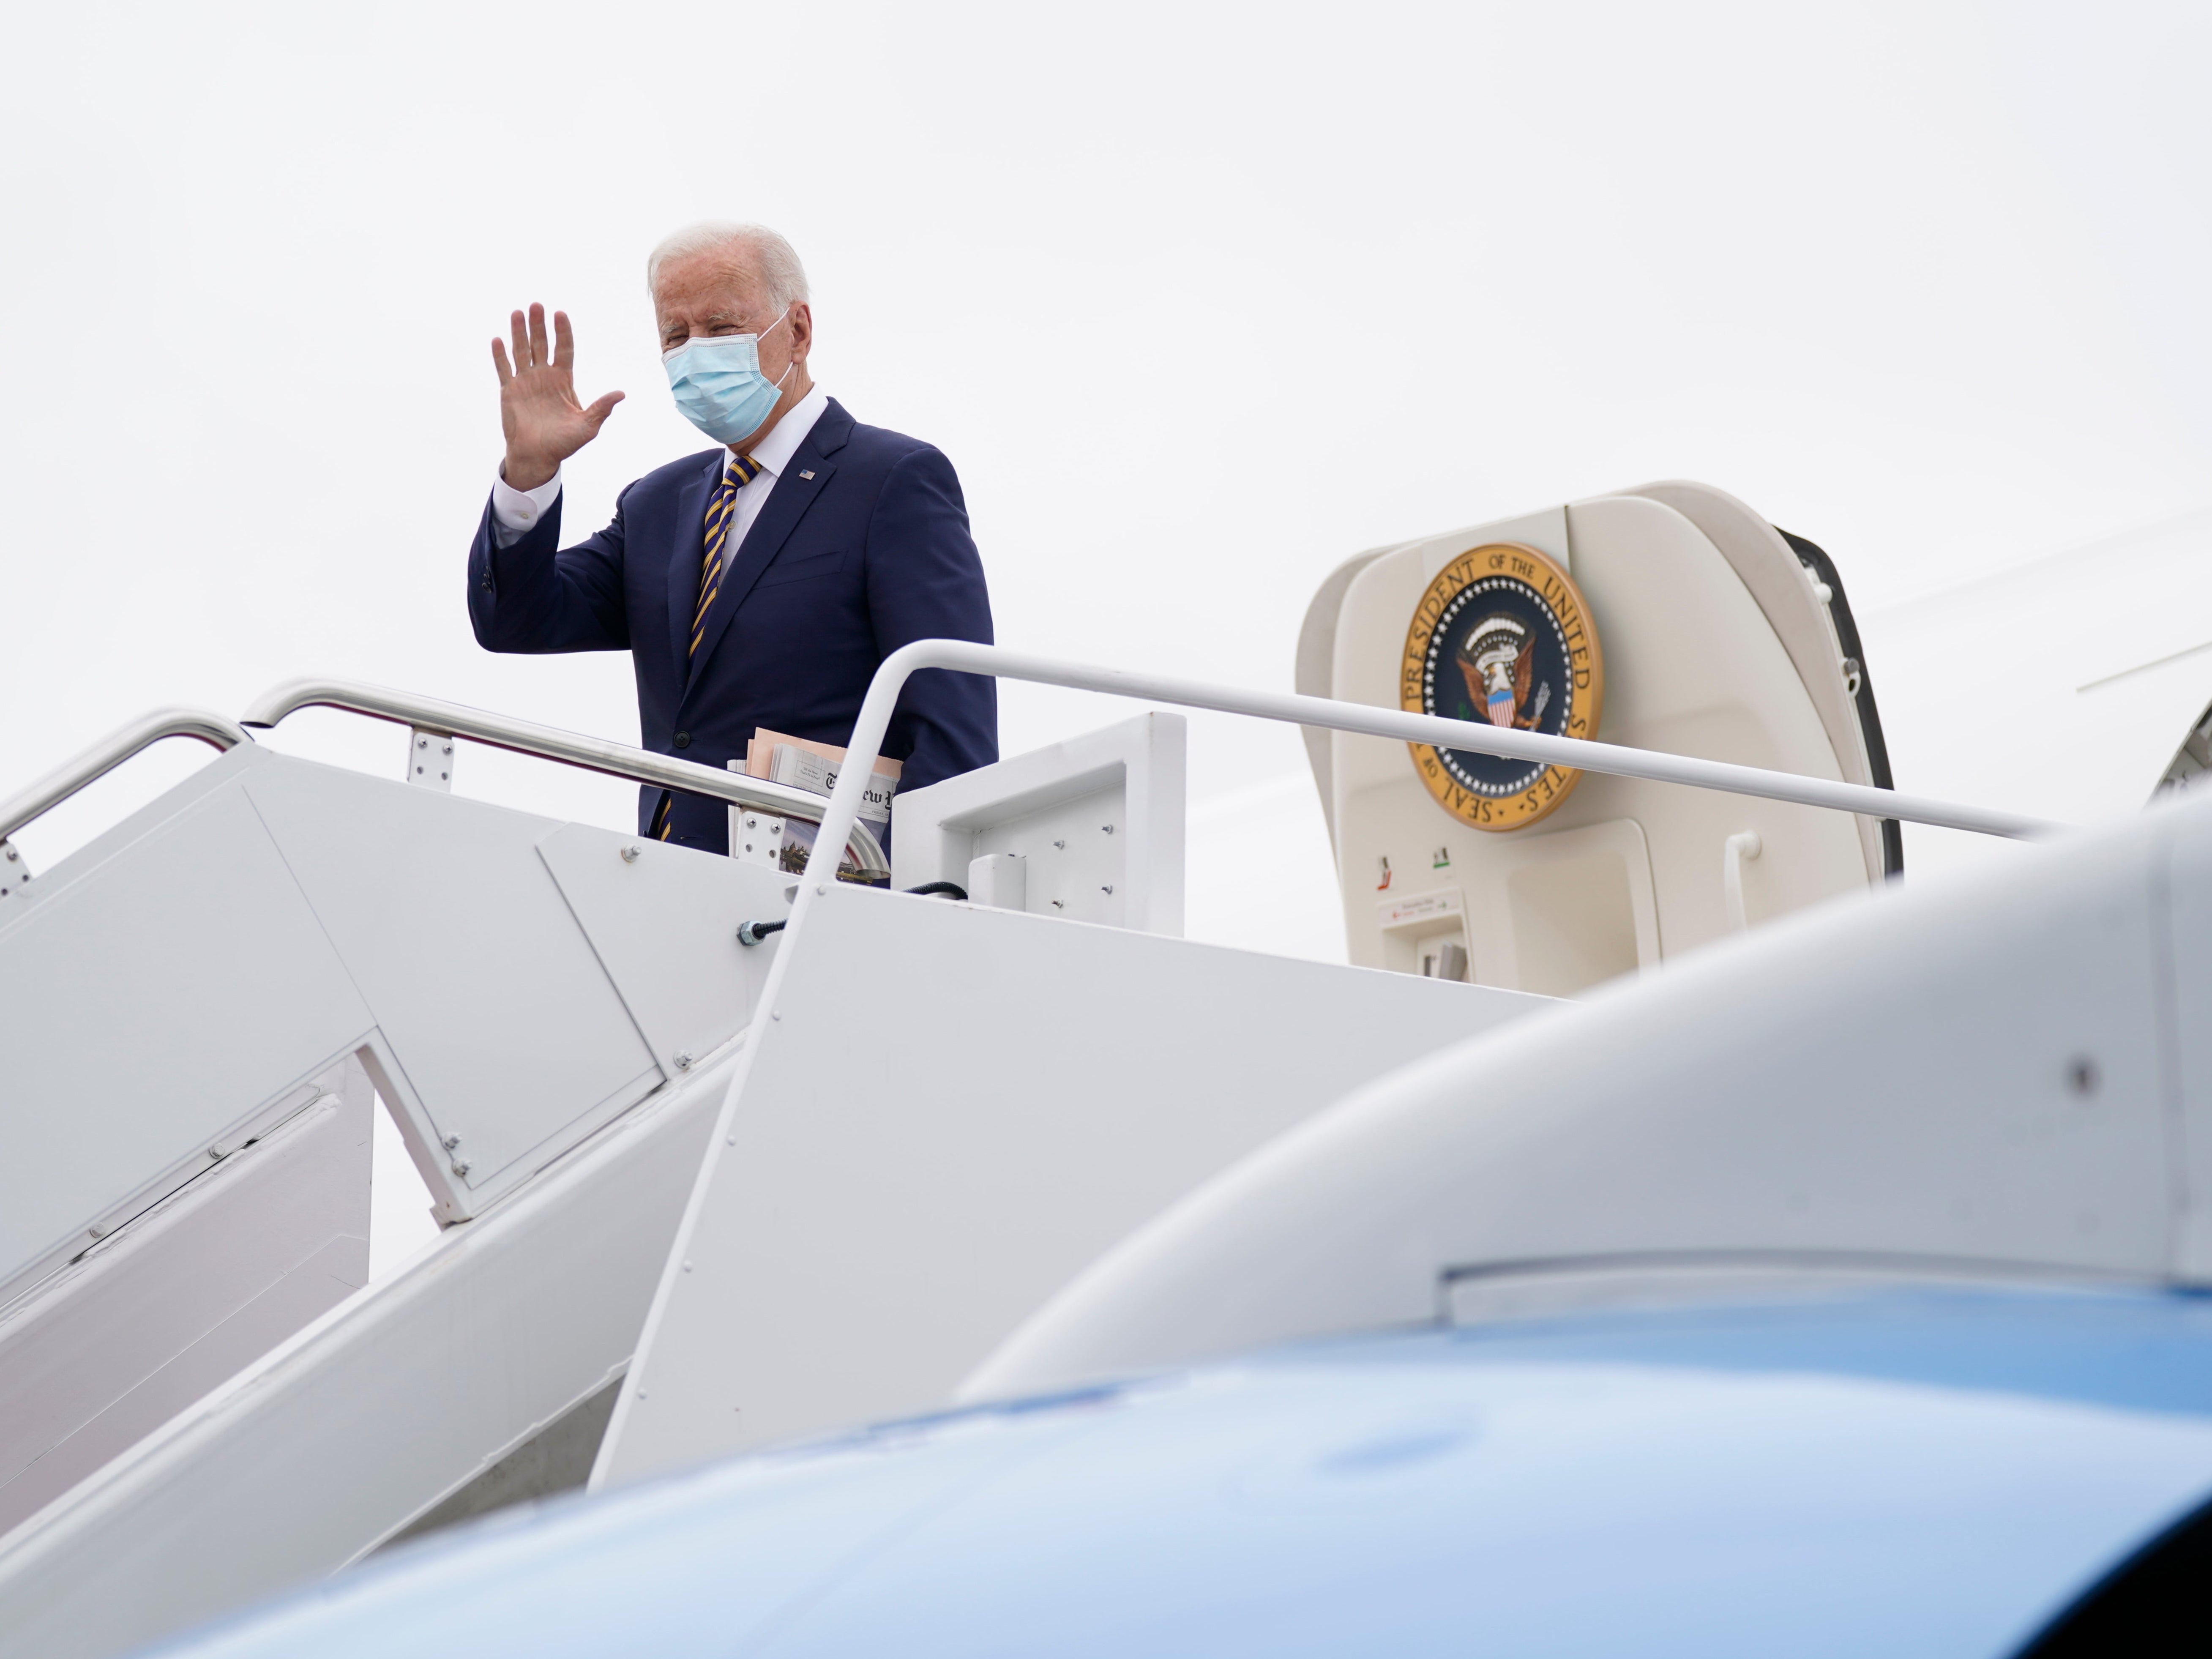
<point x="203" y="1400"/>
<point x="696" y="1194"/>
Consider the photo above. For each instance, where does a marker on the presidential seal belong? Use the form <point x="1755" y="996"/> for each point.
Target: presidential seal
<point x="1502" y="636"/>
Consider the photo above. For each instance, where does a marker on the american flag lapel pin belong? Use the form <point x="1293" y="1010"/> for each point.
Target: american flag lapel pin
<point x="807" y="474"/>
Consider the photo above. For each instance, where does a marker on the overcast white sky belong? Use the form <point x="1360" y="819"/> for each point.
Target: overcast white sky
<point x="1199" y="300"/>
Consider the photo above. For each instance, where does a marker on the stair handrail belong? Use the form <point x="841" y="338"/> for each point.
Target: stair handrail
<point x="453" y="719"/>
<point x="99" y="759"/>
<point x="1582" y="754"/>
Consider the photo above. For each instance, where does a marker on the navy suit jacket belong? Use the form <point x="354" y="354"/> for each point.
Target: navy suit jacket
<point x="840" y="570"/>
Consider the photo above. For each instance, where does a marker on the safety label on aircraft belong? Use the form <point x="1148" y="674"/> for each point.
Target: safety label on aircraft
<point x="1396" y="912"/>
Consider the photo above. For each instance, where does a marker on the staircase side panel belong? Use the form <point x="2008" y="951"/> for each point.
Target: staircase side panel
<point x="182" y="1298"/>
<point x="951" y="1111"/>
<point x="147" y="1006"/>
<point x="513" y="1042"/>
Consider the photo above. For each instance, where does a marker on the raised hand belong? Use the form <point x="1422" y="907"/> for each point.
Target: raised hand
<point x="537" y="407"/>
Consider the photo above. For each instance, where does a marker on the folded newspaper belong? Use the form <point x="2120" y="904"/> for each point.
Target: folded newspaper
<point x="811" y="769"/>
<point x="801" y="763"/>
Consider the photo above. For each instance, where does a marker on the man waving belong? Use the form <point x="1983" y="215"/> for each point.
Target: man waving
<point x="758" y="583"/>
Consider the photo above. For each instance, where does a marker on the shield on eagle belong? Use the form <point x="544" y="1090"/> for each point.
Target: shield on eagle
<point x="1498" y="659"/>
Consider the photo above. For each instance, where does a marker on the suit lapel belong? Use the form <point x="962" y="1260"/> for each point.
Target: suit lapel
<point x="685" y="561"/>
<point x="786" y="504"/>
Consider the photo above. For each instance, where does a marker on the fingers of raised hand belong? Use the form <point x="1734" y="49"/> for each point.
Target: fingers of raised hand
<point x="519" y="331"/>
<point x="598" y="413"/>
<point x="499" y="363"/>
<point x="564" y="342"/>
<point x="541" y="355"/>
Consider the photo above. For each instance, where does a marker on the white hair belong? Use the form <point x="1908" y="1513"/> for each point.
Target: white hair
<point x="775" y="259"/>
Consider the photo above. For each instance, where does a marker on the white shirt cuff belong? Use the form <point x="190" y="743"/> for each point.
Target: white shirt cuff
<point x="515" y="512"/>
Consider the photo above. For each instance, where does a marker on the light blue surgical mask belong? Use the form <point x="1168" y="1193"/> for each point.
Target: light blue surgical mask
<point x="718" y="386"/>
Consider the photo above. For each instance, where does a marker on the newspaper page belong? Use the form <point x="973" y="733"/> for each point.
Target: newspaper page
<point x="801" y="763"/>
<point x="805" y="764"/>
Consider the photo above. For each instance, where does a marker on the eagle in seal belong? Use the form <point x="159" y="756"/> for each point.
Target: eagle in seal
<point x="1497" y="658"/>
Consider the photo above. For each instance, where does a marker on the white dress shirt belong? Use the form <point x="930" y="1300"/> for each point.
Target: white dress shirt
<point x="513" y="512"/>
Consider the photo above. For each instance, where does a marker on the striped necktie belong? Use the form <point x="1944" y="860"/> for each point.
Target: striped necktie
<point x="740" y="470"/>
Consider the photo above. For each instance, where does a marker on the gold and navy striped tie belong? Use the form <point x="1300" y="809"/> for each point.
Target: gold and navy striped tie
<point x="740" y="470"/>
